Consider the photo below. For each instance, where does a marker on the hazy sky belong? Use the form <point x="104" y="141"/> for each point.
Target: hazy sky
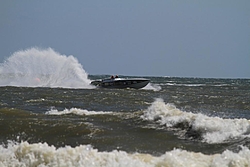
<point x="138" y="37"/>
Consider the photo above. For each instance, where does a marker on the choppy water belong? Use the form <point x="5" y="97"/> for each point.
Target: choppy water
<point x="54" y="121"/>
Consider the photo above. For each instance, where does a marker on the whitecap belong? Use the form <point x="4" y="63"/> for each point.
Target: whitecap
<point x="210" y="129"/>
<point x="44" y="155"/>
<point x="75" y="111"/>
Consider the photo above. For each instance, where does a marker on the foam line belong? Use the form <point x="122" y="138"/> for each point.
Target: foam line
<point x="41" y="154"/>
<point x="75" y="111"/>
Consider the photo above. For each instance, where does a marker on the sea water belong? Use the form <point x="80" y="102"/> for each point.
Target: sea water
<point x="51" y="116"/>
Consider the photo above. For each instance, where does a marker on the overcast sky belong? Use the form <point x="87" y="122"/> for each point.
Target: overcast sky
<point x="138" y="37"/>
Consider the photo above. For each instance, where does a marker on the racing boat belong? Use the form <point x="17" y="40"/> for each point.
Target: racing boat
<point x="121" y="83"/>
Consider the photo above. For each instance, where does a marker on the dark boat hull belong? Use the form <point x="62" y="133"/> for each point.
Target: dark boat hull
<point x="135" y="83"/>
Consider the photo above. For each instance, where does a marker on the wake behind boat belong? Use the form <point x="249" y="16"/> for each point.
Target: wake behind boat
<point x="121" y="83"/>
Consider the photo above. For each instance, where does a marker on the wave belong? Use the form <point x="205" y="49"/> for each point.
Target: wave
<point x="188" y="85"/>
<point x="151" y="86"/>
<point x="197" y="126"/>
<point x="43" y="68"/>
<point x="76" y="111"/>
<point x="41" y="154"/>
<point x="194" y="85"/>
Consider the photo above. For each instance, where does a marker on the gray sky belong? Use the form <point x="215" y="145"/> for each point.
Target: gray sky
<point x="137" y="37"/>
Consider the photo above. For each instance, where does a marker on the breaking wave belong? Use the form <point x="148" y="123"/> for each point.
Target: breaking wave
<point x="75" y="111"/>
<point x="43" y="68"/>
<point x="151" y="86"/>
<point x="197" y="126"/>
<point x="41" y="154"/>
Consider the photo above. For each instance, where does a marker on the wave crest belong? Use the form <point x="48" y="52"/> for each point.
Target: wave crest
<point x="75" y="111"/>
<point x="198" y="126"/>
<point x="41" y="154"/>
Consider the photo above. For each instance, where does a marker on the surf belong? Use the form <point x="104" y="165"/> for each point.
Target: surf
<point x="76" y="111"/>
<point x="197" y="126"/>
<point x="42" y="154"/>
<point x="37" y="67"/>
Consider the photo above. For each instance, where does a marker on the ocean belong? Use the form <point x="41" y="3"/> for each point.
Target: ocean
<point x="51" y="116"/>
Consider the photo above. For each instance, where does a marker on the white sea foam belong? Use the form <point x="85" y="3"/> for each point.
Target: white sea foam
<point x="42" y="155"/>
<point x="75" y="111"/>
<point x="188" y="85"/>
<point x="153" y="87"/>
<point x="44" y="68"/>
<point x="211" y="129"/>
